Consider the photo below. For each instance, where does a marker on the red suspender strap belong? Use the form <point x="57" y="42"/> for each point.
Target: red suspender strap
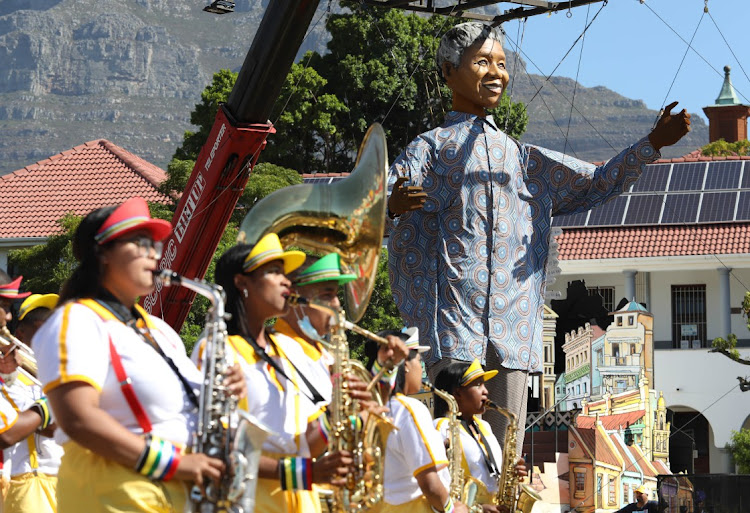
<point x="127" y="390"/>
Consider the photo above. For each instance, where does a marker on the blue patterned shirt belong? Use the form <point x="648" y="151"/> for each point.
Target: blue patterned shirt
<point x="469" y="267"/>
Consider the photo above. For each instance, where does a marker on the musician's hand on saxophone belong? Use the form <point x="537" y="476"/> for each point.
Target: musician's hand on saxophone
<point x="197" y="467"/>
<point x="521" y="469"/>
<point x="394" y="353"/>
<point x="332" y="468"/>
<point x="234" y="380"/>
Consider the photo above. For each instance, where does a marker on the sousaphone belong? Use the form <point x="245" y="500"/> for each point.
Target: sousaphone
<point x="346" y="217"/>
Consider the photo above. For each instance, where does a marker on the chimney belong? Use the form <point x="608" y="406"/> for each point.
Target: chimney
<point x="727" y="119"/>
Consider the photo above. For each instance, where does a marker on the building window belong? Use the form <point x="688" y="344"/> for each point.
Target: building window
<point x="606" y="293"/>
<point x="632" y="349"/>
<point x="599" y="490"/>
<point x="612" y="491"/>
<point x="616" y="349"/>
<point x="631" y="320"/>
<point x="546" y="353"/>
<point x="618" y="320"/>
<point x="580" y="484"/>
<point x="584" y="388"/>
<point x="578" y="389"/>
<point x="599" y="357"/>
<point x="688" y="316"/>
<point x="625" y="491"/>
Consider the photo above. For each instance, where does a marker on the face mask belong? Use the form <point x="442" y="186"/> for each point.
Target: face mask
<point x="308" y="330"/>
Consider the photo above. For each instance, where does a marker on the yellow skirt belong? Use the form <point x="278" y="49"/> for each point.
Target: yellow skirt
<point x="270" y="498"/>
<point x="31" y="493"/>
<point x="88" y="482"/>
<point x="419" y="505"/>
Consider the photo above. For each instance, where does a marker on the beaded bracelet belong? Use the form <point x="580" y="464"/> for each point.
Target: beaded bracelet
<point x="41" y="406"/>
<point x="295" y="473"/>
<point x="448" y="507"/>
<point x="324" y="427"/>
<point x="159" y="459"/>
<point x="388" y="377"/>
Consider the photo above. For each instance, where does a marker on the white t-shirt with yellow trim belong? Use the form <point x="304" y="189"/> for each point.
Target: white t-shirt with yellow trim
<point x="473" y="459"/>
<point x="73" y="346"/>
<point x="36" y="452"/>
<point x="318" y="360"/>
<point x="271" y="399"/>
<point x="8" y="415"/>
<point x="415" y="446"/>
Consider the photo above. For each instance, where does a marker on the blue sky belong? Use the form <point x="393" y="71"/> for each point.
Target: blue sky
<point x="630" y="50"/>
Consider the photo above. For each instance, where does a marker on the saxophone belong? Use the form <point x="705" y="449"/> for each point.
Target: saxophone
<point x="508" y="481"/>
<point x="462" y="489"/>
<point x="223" y="432"/>
<point x="364" y="487"/>
<point x="454" y="444"/>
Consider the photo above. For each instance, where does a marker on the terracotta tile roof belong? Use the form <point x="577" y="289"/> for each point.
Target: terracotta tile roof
<point x="596" y="442"/>
<point x="642" y="461"/>
<point x="695" y="156"/>
<point x="604" y="450"/>
<point x="92" y="175"/>
<point x="623" y="452"/>
<point x="653" y="241"/>
<point x="660" y="467"/>
<point x="611" y="422"/>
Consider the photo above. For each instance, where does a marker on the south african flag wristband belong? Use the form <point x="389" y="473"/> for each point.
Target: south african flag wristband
<point x="295" y="473"/>
<point x="159" y="459"/>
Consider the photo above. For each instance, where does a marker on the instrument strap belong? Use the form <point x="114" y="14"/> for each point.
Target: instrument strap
<point x="126" y="386"/>
<point x="484" y="447"/>
<point x="130" y="318"/>
<point x="316" y="396"/>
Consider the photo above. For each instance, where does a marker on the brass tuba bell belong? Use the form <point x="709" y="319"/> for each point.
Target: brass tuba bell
<point x="347" y="217"/>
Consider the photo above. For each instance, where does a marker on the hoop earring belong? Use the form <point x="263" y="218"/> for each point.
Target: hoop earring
<point x="244" y="293"/>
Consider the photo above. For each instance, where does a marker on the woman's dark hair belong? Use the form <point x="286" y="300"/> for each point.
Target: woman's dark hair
<point x="448" y="380"/>
<point x="85" y="280"/>
<point x="371" y="354"/>
<point x="229" y="264"/>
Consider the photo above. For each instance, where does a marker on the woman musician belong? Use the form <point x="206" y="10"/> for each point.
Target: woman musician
<point x="285" y="395"/>
<point x="482" y="456"/>
<point x="121" y="387"/>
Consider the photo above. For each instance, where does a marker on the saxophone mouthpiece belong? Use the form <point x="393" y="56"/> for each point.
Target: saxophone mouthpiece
<point x="296" y="299"/>
<point x="167" y="276"/>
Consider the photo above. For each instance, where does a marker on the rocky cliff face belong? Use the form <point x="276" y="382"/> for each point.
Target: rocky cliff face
<point x="130" y="72"/>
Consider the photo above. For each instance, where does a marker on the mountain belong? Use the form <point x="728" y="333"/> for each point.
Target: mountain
<point x="131" y="72"/>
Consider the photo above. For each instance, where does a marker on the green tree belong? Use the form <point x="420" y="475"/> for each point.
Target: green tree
<point x="739" y="448"/>
<point x="204" y="114"/>
<point x="45" y="267"/>
<point x="307" y="137"/>
<point x="381" y="311"/>
<point x="721" y="148"/>
<point x="728" y="346"/>
<point x="381" y="63"/>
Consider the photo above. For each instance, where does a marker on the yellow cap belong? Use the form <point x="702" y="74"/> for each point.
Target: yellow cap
<point x="35" y="301"/>
<point x="476" y="371"/>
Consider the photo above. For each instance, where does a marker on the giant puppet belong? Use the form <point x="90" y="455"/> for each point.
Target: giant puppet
<point x="471" y="210"/>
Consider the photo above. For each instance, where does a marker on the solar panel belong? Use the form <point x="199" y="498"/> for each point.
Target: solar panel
<point x="608" y="214"/>
<point x="743" y="209"/>
<point x="717" y="206"/>
<point x="680" y="208"/>
<point x="746" y="177"/>
<point x="723" y="175"/>
<point x="644" y="209"/>
<point x="570" y="220"/>
<point x="653" y="179"/>
<point x="687" y="177"/>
